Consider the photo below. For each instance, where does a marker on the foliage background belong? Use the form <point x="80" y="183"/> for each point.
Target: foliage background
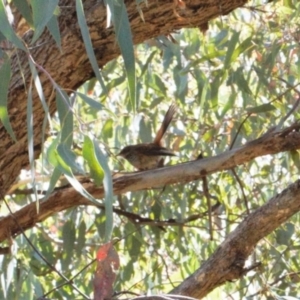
<point x="231" y="85"/>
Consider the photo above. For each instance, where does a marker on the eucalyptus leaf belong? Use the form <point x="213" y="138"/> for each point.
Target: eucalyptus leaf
<point x="63" y="166"/>
<point x="108" y="188"/>
<point x="69" y="157"/>
<point x="125" y="41"/>
<point x="64" y="108"/>
<point x="7" y="30"/>
<point x="25" y="10"/>
<point x="42" y="12"/>
<point x="261" y="108"/>
<point x="230" y="51"/>
<point x="68" y="237"/>
<point x="53" y="28"/>
<point x="30" y="135"/>
<point x="88" y="152"/>
<point x="88" y="43"/>
<point x="90" y="101"/>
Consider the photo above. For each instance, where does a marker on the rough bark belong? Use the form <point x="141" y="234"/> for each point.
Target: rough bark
<point x="70" y="67"/>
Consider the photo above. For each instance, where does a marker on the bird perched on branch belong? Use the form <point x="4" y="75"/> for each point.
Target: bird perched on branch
<point x="149" y="156"/>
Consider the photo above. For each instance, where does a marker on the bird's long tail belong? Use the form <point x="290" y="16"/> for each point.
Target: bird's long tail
<point x="165" y="124"/>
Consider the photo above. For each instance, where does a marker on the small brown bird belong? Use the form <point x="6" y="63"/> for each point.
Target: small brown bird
<point x="150" y="156"/>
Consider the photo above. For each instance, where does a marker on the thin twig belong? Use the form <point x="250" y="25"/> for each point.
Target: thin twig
<point x="238" y="131"/>
<point x="208" y="199"/>
<point x="39" y="253"/>
<point x="239" y="181"/>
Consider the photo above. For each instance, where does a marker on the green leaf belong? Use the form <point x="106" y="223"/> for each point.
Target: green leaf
<point x="270" y="60"/>
<point x="42" y="13"/>
<point x="90" y="86"/>
<point x="39" y="89"/>
<point x="51" y="155"/>
<point x="135" y="247"/>
<point x="244" y="46"/>
<point x="56" y="175"/>
<point x="159" y="84"/>
<point x="229" y="104"/>
<point x="68" y="237"/>
<point x="88" y="43"/>
<point x="295" y="156"/>
<point x="221" y="38"/>
<point x="69" y="157"/>
<point x="107" y="130"/>
<point x="181" y="81"/>
<point x="38" y="86"/>
<point x="60" y="160"/>
<point x="53" y="28"/>
<point x="7" y="30"/>
<point x="25" y="10"/>
<point x="30" y="135"/>
<point x="80" y="189"/>
<point x="115" y="82"/>
<point x="289" y="4"/>
<point x="148" y="61"/>
<point x="90" y="101"/>
<point x="124" y="38"/>
<point x="5" y="73"/>
<point x="261" y="108"/>
<point x="65" y="114"/>
<point x="284" y="234"/>
<point x="63" y="166"/>
<point x="241" y="82"/>
<point x="88" y="152"/>
<point x="213" y="95"/>
<point x="145" y="131"/>
<point x="81" y="238"/>
<point x="230" y="51"/>
<point x="108" y="188"/>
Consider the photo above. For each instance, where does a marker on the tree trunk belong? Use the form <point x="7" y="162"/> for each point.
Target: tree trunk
<point x="70" y="67"/>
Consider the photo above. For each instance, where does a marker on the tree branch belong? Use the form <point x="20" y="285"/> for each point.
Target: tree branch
<point x="70" y="66"/>
<point x="66" y="197"/>
<point x="227" y="263"/>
